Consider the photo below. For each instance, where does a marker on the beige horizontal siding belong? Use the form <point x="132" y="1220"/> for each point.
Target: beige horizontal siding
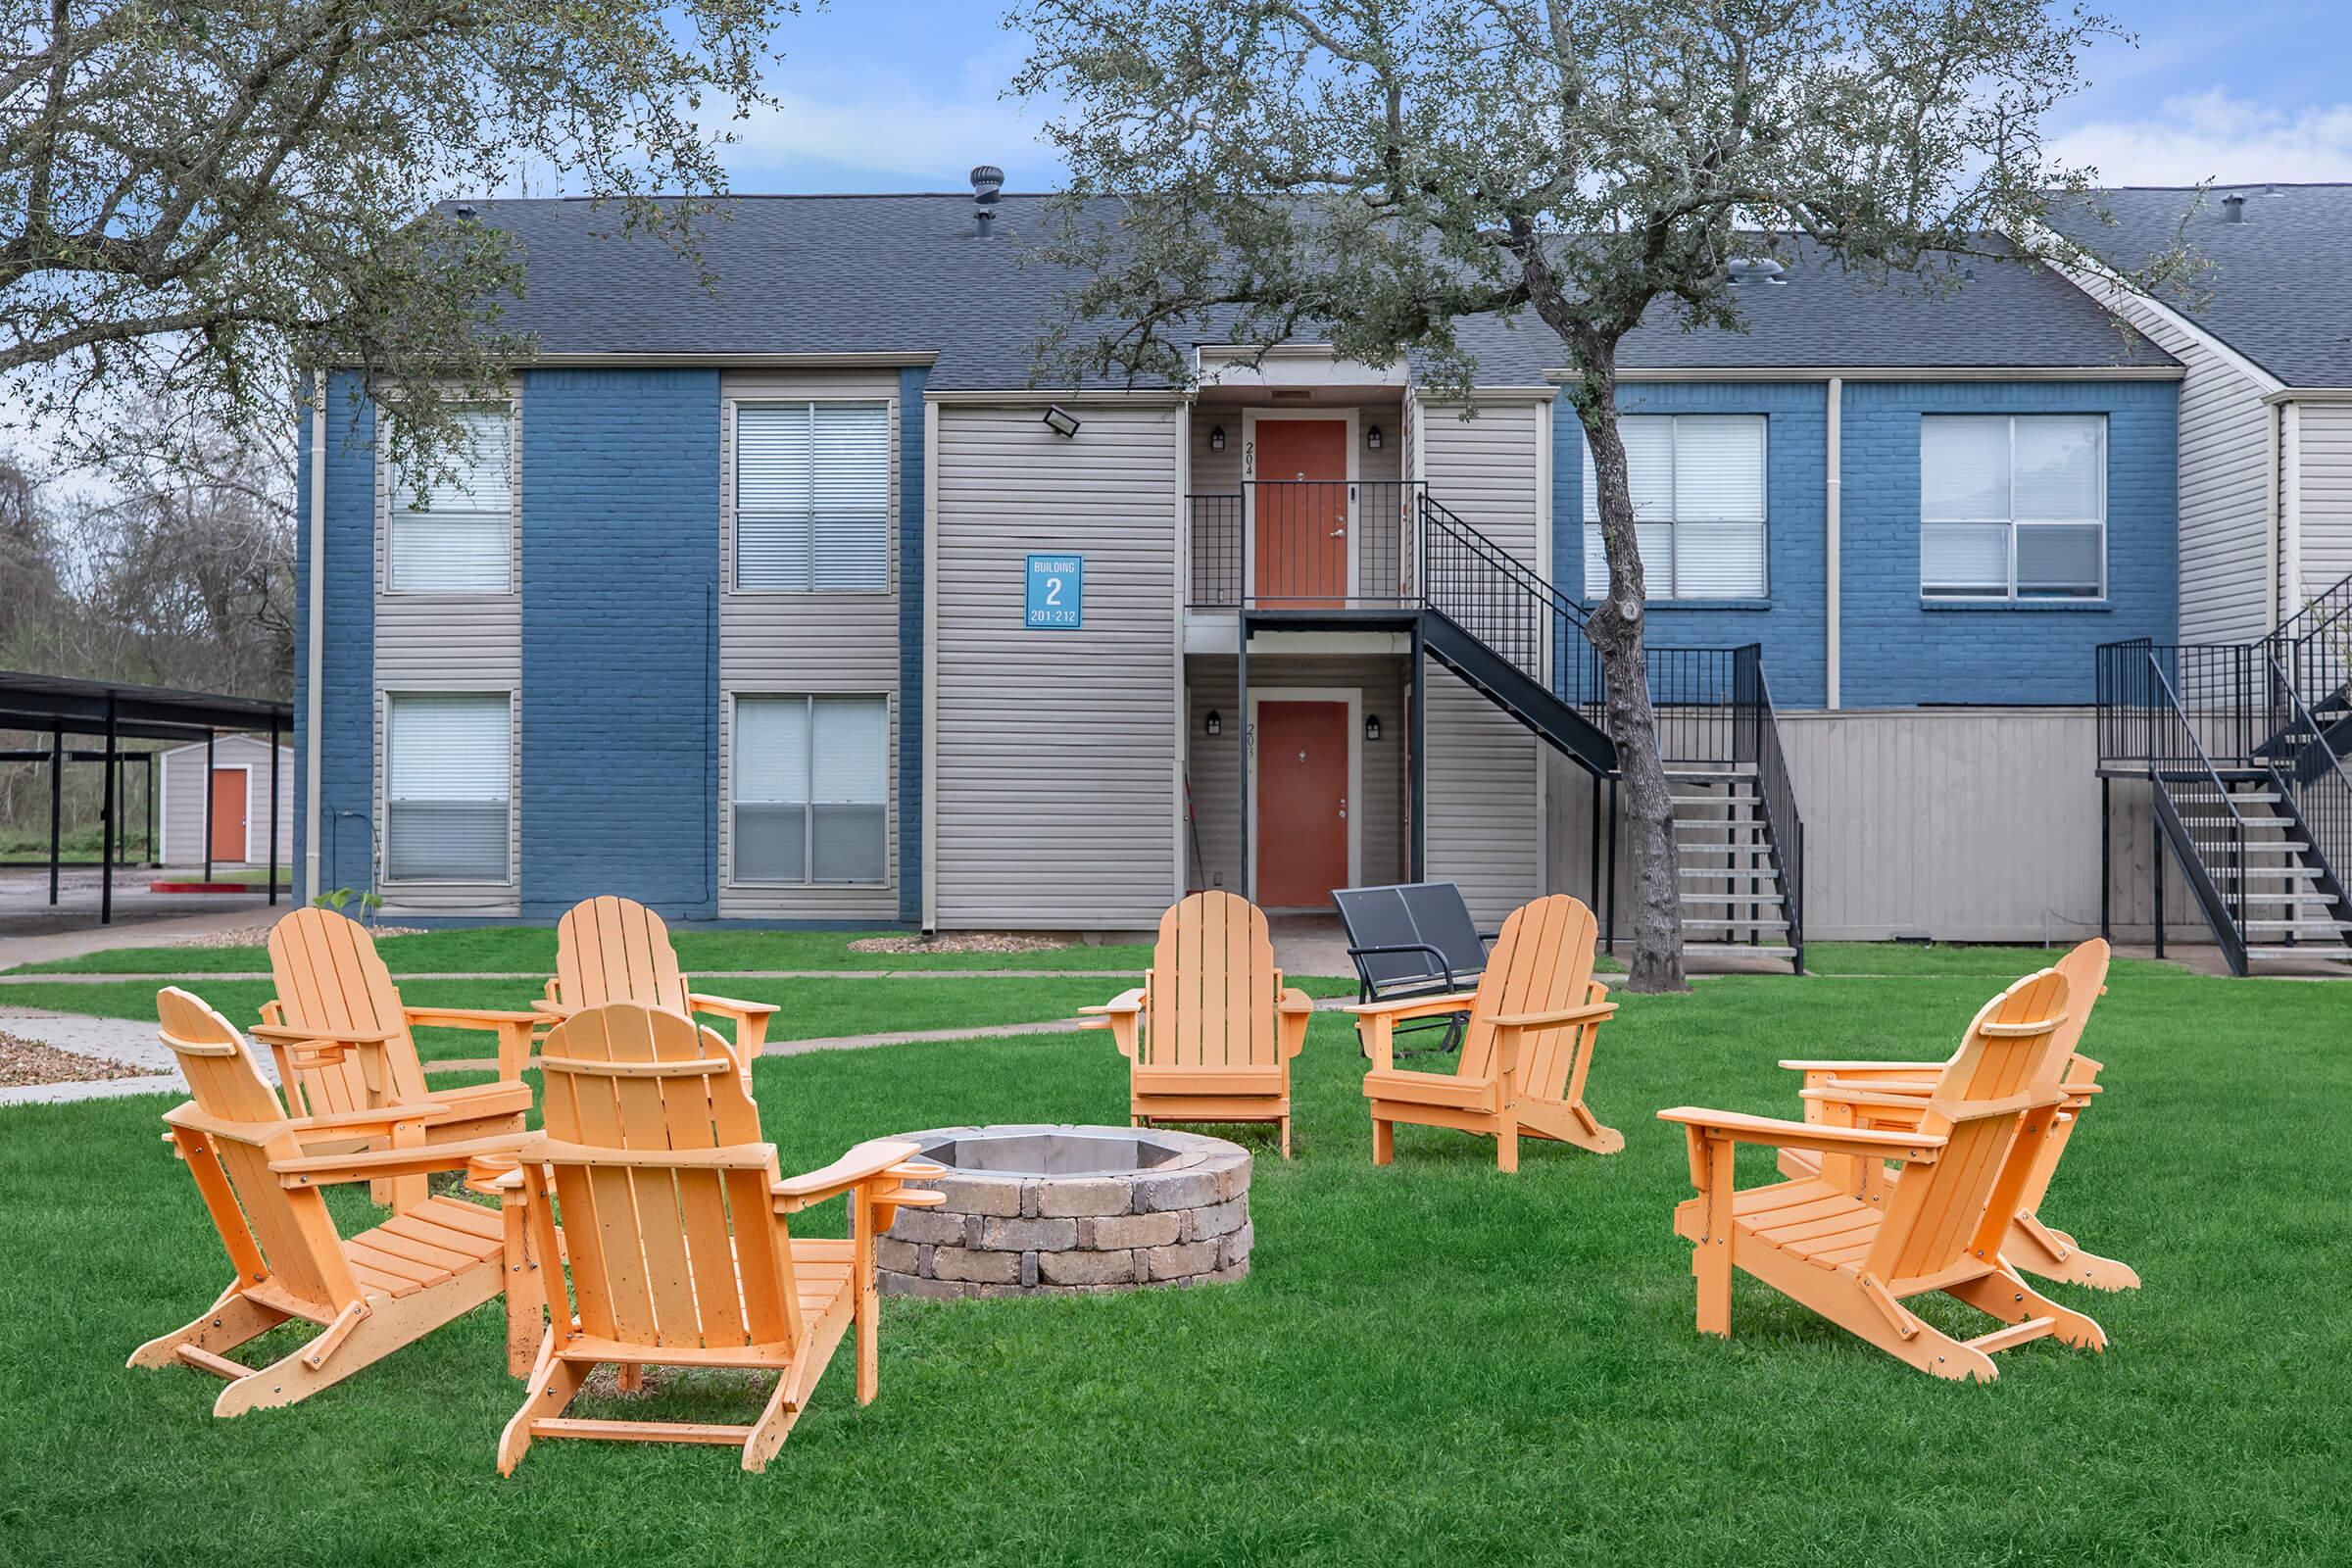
<point x="1055" y="755"/>
<point x="2327" y="496"/>
<point x="182" y="804"/>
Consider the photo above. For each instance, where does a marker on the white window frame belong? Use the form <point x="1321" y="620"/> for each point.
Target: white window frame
<point x="383" y="824"/>
<point x="2012" y="523"/>
<point x="890" y="483"/>
<point x="395" y="506"/>
<point x="1590" y="527"/>
<point x="734" y="782"/>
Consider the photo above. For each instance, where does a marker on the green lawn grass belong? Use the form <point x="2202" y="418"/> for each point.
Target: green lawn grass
<point x="1430" y="1362"/>
<point x="531" y="949"/>
<point x="812" y="1009"/>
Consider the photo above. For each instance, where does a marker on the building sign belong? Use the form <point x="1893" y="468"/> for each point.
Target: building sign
<point x="1056" y="599"/>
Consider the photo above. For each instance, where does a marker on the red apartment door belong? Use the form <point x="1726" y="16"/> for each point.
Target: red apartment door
<point x="228" y="814"/>
<point x="1300" y="511"/>
<point x="1301" y="803"/>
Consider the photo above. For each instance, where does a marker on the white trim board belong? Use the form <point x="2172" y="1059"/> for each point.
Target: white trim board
<point x="1353" y="699"/>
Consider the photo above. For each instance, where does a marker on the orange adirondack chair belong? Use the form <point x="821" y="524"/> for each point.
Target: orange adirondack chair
<point x="680" y="1255"/>
<point x="1967" y="1164"/>
<point x="1526" y="1051"/>
<point x="616" y="950"/>
<point x="341" y="1037"/>
<point x="260" y="1178"/>
<point x="1211" y="1031"/>
<point x="1853" y="1093"/>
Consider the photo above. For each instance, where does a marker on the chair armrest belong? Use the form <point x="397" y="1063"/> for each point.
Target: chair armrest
<point x="1775" y="1133"/>
<point x="702" y="1002"/>
<point x="1590" y="1012"/>
<point x="549" y="1008"/>
<point x="283" y="1035"/>
<point x="1294" y="1001"/>
<point x="1866" y="1099"/>
<point x="469" y="1017"/>
<point x="1798" y="1064"/>
<point x="315" y="1170"/>
<point x="1416" y="1007"/>
<point x="876" y="1158"/>
<point x="1126" y="1002"/>
<point x="347" y="1123"/>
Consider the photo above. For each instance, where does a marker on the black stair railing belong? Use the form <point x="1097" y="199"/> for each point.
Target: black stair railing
<point x="2314" y="651"/>
<point x="2315" y="785"/>
<point x="2220" y="691"/>
<point x="1759" y="737"/>
<point x="2194" y="805"/>
<point x="1304" y="544"/>
<point x="1509" y="607"/>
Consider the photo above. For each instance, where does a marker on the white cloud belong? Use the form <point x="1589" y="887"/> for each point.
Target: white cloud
<point x="888" y="127"/>
<point x="2212" y="135"/>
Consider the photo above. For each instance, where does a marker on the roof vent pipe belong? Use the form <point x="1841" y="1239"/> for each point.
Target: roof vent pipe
<point x="988" y="184"/>
<point x="2234" y="208"/>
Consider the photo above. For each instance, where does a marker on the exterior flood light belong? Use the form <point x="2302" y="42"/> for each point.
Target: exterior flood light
<point x="1216" y="438"/>
<point x="1372" y="437"/>
<point x="1060" y="420"/>
<point x="1371" y="726"/>
<point x="1215" y="724"/>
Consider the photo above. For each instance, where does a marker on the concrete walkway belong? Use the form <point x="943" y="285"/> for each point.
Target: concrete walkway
<point x="139" y="925"/>
<point x="116" y="1040"/>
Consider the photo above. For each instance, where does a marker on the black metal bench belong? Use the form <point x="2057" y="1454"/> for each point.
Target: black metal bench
<point x="1415" y="939"/>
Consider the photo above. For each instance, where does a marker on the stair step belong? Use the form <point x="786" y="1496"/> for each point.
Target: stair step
<point x="2281" y="822"/>
<point x="1712" y="900"/>
<point x="1730" y="872"/>
<point x="2220" y="847"/>
<point x="1737" y="949"/>
<point x="2290" y="873"/>
<point x="1719" y="923"/>
<point x="2317" y="928"/>
<point x="2257" y="895"/>
<point x="2331" y="954"/>
<point x="1747" y="802"/>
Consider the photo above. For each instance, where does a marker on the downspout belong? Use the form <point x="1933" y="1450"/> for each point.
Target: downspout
<point x="931" y="569"/>
<point x="1832" y="499"/>
<point x="2271" y="511"/>
<point x="2290" y="511"/>
<point x="316" y="662"/>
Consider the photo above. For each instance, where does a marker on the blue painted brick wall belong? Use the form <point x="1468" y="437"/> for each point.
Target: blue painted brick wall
<point x="1788" y="621"/>
<point x="1899" y="650"/>
<point x="621" y="472"/>
<point x="912" y="566"/>
<point x="347" y="684"/>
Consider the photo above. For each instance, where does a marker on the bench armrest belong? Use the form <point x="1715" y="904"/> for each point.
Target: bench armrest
<point x="1774" y="1133"/>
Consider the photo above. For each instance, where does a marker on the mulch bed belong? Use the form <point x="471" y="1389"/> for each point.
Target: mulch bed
<point x="248" y="936"/>
<point x="23" y="1062"/>
<point x="965" y="941"/>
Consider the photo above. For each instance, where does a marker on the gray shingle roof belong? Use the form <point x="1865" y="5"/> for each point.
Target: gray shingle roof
<point x="2277" y="280"/>
<point x="810" y="275"/>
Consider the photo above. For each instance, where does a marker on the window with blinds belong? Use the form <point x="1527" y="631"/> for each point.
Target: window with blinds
<point x="452" y="533"/>
<point x="813" y="497"/>
<point x="447" y="771"/>
<point x="811" y="785"/>
<point x="2013" y="506"/>
<point x="1697" y="482"/>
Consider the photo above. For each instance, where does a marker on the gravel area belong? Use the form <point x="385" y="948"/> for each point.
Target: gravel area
<point x="965" y="941"/>
<point x="23" y="1062"/>
<point x="247" y="936"/>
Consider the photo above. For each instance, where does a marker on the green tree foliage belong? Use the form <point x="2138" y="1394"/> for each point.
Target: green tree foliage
<point x="1369" y="172"/>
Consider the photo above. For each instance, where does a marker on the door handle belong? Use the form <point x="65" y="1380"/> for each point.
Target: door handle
<point x="1337" y="533"/>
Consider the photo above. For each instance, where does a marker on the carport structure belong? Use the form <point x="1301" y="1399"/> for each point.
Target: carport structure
<point x="65" y="707"/>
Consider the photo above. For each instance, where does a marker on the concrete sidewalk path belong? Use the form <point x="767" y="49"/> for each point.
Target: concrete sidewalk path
<point x="116" y="1040"/>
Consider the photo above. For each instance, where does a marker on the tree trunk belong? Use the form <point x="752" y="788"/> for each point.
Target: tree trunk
<point x="1616" y="629"/>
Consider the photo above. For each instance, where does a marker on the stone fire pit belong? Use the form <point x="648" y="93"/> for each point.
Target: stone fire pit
<point x="1034" y="1210"/>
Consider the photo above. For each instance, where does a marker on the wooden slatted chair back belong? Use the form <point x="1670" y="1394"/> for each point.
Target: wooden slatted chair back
<point x="332" y="980"/>
<point x="1213" y="987"/>
<point x="1542" y="960"/>
<point x="2009" y="1053"/>
<point x="616" y="950"/>
<point x="272" y="1233"/>
<point x="2085" y="971"/>
<point x="665" y="1183"/>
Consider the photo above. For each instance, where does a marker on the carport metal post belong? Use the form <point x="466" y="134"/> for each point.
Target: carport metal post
<point x="274" y="809"/>
<point x="106" y="827"/>
<point x="57" y="800"/>
<point x="210" y="783"/>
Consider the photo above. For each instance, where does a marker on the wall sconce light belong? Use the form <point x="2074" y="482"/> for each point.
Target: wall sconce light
<point x="1215" y="724"/>
<point x="1060" y="420"/>
<point x="1372" y="436"/>
<point x="1216" y="438"/>
<point x="1371" y="726"/>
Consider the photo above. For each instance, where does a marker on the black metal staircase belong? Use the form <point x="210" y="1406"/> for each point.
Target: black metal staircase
<point x="2248" y="785"/>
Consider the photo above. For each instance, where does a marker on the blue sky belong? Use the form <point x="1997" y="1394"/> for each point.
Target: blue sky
<point x="903" y="96"/>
